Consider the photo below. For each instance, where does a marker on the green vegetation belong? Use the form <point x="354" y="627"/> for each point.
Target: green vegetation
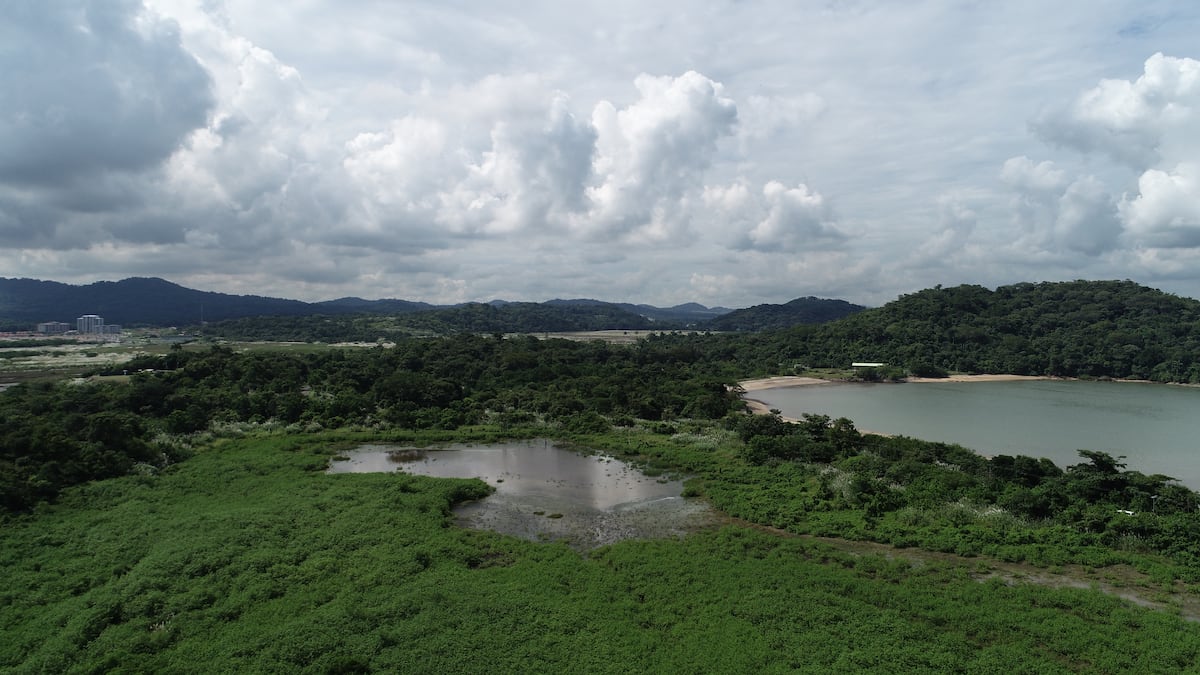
<point x="130" y="302"/>
<point x="1076" y="329"/>
<point x="522" y="317"/>
<point x="1097" y="329"/>
<point x="36" y="342"/>
<point x="821" y="476"/>
<point x="52" y="436"/>
<point x="178" y="519"/>
<point x="807" y="310"/>
<point x="515" y="317"/>
<point x="249" y="558"/>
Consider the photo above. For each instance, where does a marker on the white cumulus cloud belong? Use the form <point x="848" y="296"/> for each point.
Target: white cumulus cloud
<point x="1139" y="122"/>
<point x="1166" y="210"/>
<point x="653" y="153"/>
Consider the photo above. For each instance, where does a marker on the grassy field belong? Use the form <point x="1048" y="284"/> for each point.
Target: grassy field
<point x="249" y="558"/>
<point x="59" y="362"/>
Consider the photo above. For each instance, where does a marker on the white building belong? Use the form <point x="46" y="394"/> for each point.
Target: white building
<point x="89" y="324"/>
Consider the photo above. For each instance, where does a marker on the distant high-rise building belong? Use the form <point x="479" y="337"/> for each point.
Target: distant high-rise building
<point x="89" y="324"/>
<point x="53" y="328"/>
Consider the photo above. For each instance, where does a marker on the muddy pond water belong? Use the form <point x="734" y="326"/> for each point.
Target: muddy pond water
<point x="545" y="492"/>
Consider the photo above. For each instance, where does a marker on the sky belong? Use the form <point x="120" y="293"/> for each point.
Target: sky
<point x="728" y="153"/>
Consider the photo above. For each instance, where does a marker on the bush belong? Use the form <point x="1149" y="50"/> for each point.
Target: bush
<point x="926" y="369"/>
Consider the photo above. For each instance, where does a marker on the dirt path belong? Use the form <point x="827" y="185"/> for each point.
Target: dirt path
<point x="1121" y="581"/>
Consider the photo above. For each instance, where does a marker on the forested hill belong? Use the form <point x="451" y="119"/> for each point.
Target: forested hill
<point x="690" y="314"/>
<point x="134" y="301"/>
<point x="524" y="317"/>
<point x="1079" y="328"/>
<point x="510" y="317"/>
<point x="799" y="311"/>
<point x="156" y="302"/>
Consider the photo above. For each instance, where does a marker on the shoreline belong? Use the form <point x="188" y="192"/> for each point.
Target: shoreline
<point x="782" y="381"/>
<point x="759" y="407"/>
<point x="985" y="378"/>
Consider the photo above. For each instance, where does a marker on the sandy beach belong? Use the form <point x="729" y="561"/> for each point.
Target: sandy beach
<point x="781" y="381"/>
<point x="798" y="381"/>
<point x="760" y="408"/>
<point x="757" y="407"/>
<point x="981" y="378"/>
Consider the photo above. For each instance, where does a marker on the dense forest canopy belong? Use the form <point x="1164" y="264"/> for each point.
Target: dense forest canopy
<point x="134" y="301"/>
<point x="800" y="311"/>
<point x="57" y="435"/>
<point x="514" y="317"/>
<point x="1115" y="329"/>
<point x="1071" y="329"/>
<point x="528" y="317"/>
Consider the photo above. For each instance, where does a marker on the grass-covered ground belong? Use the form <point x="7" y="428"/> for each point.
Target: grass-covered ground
<point x="248" y="558"/>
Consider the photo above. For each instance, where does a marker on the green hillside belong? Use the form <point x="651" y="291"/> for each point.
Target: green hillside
<point x="807" y="310"/>
<point x="1080" y="328"/>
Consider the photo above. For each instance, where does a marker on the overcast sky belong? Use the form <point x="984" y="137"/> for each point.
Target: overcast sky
<point x="730" y="153"/>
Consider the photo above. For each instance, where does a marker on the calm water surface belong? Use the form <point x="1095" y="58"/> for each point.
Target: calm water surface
<point x="546" y="492"/>
<point x="1156" y="426"/>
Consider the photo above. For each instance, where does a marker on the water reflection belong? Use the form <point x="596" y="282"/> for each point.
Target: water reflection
<point x="546" y="492"/>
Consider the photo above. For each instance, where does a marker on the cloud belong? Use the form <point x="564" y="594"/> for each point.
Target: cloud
<point x="115" y="93"/>
<point x="761" y="118"/>
<point x="712" y="285"/>
<point x="777" y="218"/>
<point x="95" y="98"/>
<point x="651" y="154"/>
<point x="258" y="175"/>
<point x="1056" y="213"/>
<point x="394" y="177"/>
<point x="1086" y="220"/>
<point x="428" y="179"/>
<point x="956" y="222"/>
<point x="1152" y="124"/>
<point x="1166" y="211"/>
<point x="1040" y="179"/>
<point x="533" y="177"/>
<point x="1139" y="123"/>
<point x="797" y="218"/>
<point x="443" y="152"/>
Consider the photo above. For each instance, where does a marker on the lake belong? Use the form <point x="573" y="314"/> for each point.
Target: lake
<point x="1156" y="426"/>
<point x="545" y="492"/>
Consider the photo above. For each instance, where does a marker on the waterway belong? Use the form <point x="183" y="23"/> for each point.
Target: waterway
<point x="545" y="492"/>
<point x="1157" y="427"/>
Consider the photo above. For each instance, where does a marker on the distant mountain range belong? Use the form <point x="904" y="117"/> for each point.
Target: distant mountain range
<point x="135" y="301"/>
<point x="689" y="313"/>
<point x="770" y="317"/>
<point x="141" y="301"/>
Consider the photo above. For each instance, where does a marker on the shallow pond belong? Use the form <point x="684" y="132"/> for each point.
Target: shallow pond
<point x="544" y="492"/>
